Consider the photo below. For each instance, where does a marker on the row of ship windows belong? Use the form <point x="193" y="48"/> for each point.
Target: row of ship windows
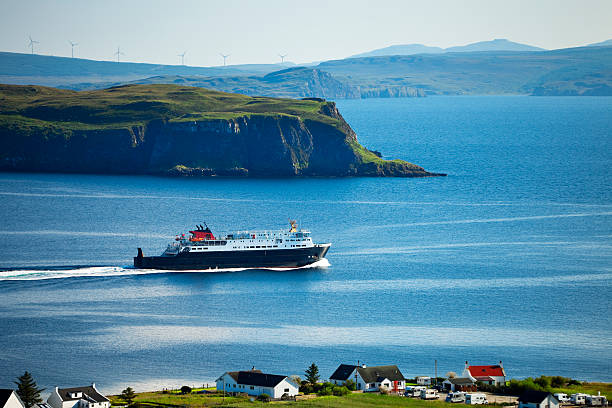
<point x="259" y="246"/>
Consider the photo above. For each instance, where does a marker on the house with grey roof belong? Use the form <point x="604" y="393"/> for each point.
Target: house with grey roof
<point x="78" y="397"/>
<point x="537" y="399"/>
<point x="370" y="379"/>
<point x="254" y="382"/>
<point x="466" y="384"/>
<point x="10" y="399"/>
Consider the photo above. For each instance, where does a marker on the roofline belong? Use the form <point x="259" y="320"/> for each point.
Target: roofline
<point x="285" y="377"/>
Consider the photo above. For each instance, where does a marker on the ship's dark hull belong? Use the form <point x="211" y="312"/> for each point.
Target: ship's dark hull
<point x="279" y="258"/>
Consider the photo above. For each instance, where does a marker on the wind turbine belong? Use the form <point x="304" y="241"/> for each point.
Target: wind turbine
<point x="72" y="45"/>
<point x="118" y="53"/>
<point x="32" y="42"/>
<point x="224" y="57"/>
<point x="282" y="57"/>
<point x="182" y="57"/>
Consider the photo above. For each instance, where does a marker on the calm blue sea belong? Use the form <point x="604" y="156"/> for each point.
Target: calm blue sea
<point x="508" y="258"/>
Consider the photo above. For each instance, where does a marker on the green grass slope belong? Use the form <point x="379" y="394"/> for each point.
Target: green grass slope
<point x="133" y="105"/>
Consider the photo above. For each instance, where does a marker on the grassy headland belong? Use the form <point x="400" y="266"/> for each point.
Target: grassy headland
<point x="180" y="130"/>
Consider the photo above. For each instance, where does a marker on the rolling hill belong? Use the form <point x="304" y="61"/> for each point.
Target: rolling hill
<point x="412" y="49"/>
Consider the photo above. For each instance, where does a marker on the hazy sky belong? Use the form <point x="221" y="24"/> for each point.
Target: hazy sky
<point x="307" y="30"/>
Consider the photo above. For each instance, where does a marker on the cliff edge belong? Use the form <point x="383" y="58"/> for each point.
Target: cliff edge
<point x="183" y="131"/>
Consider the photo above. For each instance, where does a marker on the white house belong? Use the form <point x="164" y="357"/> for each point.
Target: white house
<point x="10" y="399"/>
<point x="464" y="384"/>
<point x="370" y="379"/>
<point x="255" y="383"/>
<point x="488" y="374"/>
<point x="78" y="397"/>
<point x="537" y="399"/>
<point x="422" y="380"/>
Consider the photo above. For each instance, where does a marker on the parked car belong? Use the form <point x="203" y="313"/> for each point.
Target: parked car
<point x="429" y="393"/>
<point x="562" y="397"/>
<point x="455" y="397"/>
<point x="578" y="399"/>
<point x="476" y="399"/>
<point x="596" y="401"/>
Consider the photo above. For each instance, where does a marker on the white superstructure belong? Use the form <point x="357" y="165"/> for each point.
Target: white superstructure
<point x="202" y="240"/>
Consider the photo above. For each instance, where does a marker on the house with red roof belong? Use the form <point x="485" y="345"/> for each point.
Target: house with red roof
<point x="487" y="374"/>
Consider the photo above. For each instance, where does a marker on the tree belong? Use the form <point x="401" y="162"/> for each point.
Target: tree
<point x="128" y="395"/>
<point x="185" y="389"/>
<point x="312" y="374"/>
<point x="28" y="391"/>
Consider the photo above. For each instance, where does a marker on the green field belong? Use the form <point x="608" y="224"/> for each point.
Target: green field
<point x="159" y="399"/>
<point x="172" y="399"/>
<point x="134" y="105"/>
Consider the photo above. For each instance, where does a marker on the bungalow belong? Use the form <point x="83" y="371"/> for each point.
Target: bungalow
<point x="78" y="397"/>
<point x="255" y="383"/>
<point x="10" y="399"/>
<point x="370" y="379"/>
<point x="537" y="399"/>
<point x="464" y="384"/>
<point x="488" y="374"/>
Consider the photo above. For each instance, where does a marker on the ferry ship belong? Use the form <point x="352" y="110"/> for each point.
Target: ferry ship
<point x="202" y="250"/>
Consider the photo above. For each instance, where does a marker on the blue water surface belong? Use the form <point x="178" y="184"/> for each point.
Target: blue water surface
<point x="508" y="258"/>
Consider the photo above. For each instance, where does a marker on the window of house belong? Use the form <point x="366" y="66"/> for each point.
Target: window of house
<point x="286" y="389"/>
<point x="251" y="387"/>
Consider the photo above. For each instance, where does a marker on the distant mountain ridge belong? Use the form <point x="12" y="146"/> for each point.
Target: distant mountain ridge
<point x="403" y="49"/>
<point x="21" y="69"/>
<point x="571" y="71"/>
<point x="498" y="44"/>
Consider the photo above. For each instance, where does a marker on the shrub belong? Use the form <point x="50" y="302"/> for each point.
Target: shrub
<point x="307" y="388"/>
<point x="325" y="391"/>
<point x="557" y="381"/>
<point x="543" y="382"/>
<point x="263" y="397"/>
<point x="185" y="389"/>
<point x="384" y="390"/>
<point x="340" y="391"/>
<point x="350" y="384"/>
<point x="286" y="397"/>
